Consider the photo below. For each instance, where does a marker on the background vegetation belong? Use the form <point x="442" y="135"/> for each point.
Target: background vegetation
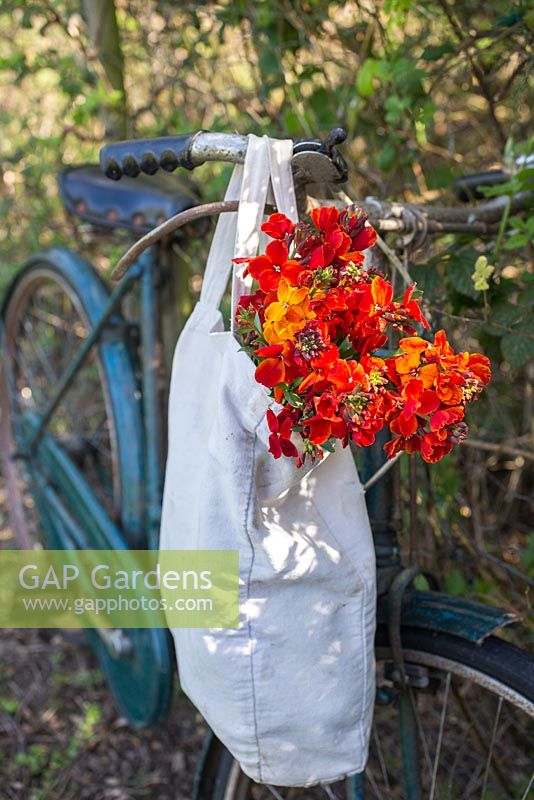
<point x="426" y="90"/>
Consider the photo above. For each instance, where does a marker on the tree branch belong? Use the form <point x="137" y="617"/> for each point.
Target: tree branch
<point x="476" y="70"/>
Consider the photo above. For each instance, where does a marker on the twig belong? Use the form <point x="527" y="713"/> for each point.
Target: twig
<point x="476" y="321"/>
<point x="395" y="260"/>
<point x="477" y="71"/>
<point x="517" y="71"/>
<point x="381" y="471"/>
<point x="498" y="447"/>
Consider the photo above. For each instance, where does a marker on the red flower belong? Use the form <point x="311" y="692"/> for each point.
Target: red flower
<point x="347" y="376"/>
<point x="445" y="417"/>
<point x="325" y="218"/>
<point x="365" y="238"/>
<point x="322" y="332"/>
<point x="377" y="297"/>
<point x="354" y="221"/>
<point x="326" y="406"/>
<point x="277" y="365"/>
<point x="412" y="307"/>
<point x="271" y="267"/>
<point x="416" y="401"/>
<point x="272" y="370"/>
<point x="434" y="446"/>
<point x="278" y="226"/>
<point x="336" y="245"/>
<point x="407" y="444"/>
<point x="320" y="430"/>
<point x="279" y="440"/>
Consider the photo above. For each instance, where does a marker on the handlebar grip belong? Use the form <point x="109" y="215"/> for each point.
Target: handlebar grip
<point x="146" y="155"/>
<point x="467" y="188"/>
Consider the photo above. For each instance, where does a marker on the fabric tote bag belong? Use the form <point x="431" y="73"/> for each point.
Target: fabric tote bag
<point x="290" y="692"/>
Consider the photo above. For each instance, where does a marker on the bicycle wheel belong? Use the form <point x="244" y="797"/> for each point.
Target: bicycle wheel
<point x="50" y="309"/>
<point x="474" y="716"/>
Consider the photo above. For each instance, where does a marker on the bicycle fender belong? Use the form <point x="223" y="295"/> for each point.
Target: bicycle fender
<point x="444" y="613"/>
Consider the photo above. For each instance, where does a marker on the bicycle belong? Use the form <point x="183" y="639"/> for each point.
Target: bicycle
<point x="82" y="434"/>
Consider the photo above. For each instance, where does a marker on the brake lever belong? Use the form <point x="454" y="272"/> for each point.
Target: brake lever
<point x="316" y="161"/>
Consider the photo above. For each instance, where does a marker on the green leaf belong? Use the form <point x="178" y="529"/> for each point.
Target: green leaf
<point x="345" y="348"/>
<point x="292" y="398"/>
<point x="526" y="177"/>
<point x="426" y="276"/>
<point x="503" y="315"/>
<point x="516" y="241"/>
<point x="526" y="297"/>
<point x="441" y="176"/>
<point x="365" y="79"/>
<point x="386" y="157"/>
<point x="517" y="349"/>
<point x="482" y="274"/>
<point x="455" y="582"/>
<point x="458" y="271"/>
<point x="292" y="122"/>
<point x="433" y="52"/>
<point x="320" y="102"/>
<point x="269" y="63"/>
<point x="329" y="446"/>
<point x="527" y="556"/>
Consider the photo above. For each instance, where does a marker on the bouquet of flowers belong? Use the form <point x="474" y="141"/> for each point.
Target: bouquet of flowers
<point x="315" y="326"/>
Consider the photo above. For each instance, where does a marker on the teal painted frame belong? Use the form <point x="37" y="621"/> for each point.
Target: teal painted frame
<point x="141" y="681"/>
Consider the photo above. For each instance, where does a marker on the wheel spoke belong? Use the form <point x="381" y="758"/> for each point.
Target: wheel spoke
<point x="480" y="736"/>
<point x="381" y="760"/>
<point x="440" y="736"/>
<point x="329" y="793"/>
<point x="529" y="787"/>
<point x="420" y="730"/>
<point x="492" y="746"/>
<point x="43" y="360"/>
<point x="455" y="763"/>
<point x="275" y="793"/>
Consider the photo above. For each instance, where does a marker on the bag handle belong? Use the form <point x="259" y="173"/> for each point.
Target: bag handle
<point x="267" y="169"/>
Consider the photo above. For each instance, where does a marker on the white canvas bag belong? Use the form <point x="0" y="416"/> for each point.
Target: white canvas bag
<point x="291" y="692"/>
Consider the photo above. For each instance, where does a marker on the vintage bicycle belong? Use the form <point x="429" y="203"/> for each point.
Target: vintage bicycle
<point x="82" y="431"/>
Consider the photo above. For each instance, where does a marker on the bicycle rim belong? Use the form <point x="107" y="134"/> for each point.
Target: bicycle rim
<point x="44" y="323"/>
<point x="474" y="729"/>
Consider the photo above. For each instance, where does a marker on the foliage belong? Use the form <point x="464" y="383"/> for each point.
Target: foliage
<point x="428" y="90"/>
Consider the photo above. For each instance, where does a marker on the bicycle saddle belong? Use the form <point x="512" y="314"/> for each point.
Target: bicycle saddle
<point x="133" y="204"/>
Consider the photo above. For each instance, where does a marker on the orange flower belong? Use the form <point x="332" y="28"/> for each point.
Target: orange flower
<point x="408" y="365"/>
<point x="441" y="352"/>
<point x="288" y="314"/>
<point x="346" y="376"/>
<point x="412" y="347"/>
<point x="381" y="293"/>
<point x="479" y="365"/>
<point x="449" y="388"/>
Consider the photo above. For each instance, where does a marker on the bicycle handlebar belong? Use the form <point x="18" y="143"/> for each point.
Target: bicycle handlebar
<point x="314" y="161"/>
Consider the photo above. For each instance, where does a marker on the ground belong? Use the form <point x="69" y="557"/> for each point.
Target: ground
<point x="60" y="736"/>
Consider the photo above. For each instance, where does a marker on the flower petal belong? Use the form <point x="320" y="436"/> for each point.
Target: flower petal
<point x="270" y="372"/>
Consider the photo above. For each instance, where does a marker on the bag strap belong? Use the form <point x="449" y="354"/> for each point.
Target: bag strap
<point x="267" y="170"/>
<point x="222" y="247"/>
